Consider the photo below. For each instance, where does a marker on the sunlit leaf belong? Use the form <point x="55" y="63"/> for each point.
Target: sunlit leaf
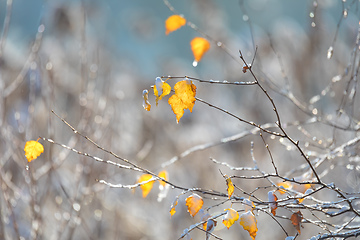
<point x="173" y="205"/>
<point x="230" y="188"/>
<point x="33" y="149"/>
<point x="194" y="204"/>
<point x="272" y="202"/>
<point x="296" y="220"/>
<point x="199" y="47"/>
<point x="173" y="23"/>
<point x="163" y="174"/>
<point x="147" y="186"/>
<point x="210" y="226"/>
<point x="249" y="223"/>
<point x="161" y="89"/>
<point x="146" y="104"/>
<point x="184" y="98"/>
<point x="230" y="217"/>
<point x="284" y="186"/>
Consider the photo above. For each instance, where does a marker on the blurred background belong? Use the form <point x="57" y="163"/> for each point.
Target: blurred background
<point x="89" y="62"/>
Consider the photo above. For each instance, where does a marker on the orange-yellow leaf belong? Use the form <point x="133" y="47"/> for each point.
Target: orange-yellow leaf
<point x="33" y="149"/>
<point x="296" y="220"/>
<point x="163" y="174"/>
<point x="146" y="104"/>
<point x="249" y="223"/>
<point x="161" y="89"/>
<point x="199" y="47"/>
<point x="173" y="23"/>
<point x="283" y="186"/>
<point x="184" y="98"/>
<point x="272" y="202"/>
<point x="173" y="205"/>
<point x="230" y="188"/>
<point x="147" y="185"/>
<point x="194" y="204"/>
<point x="230" y="217"/>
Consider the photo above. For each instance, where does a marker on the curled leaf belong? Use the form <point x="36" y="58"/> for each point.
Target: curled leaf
<point x="161" y="89"/>
<point x="184" y="98"/>
<point x="230" y="188"/>
<point x="145" y="184"/>
<point x="173" y="23"/>
<point x="249" y="223"/>
<point x="210" y="226"/>
<point x="272" y="202"/>
<point x="230" y="217"/>
<point x="194" y="204"/>
<point x="146" y="104"/>
<point x="33" y="149"/>
<point x="199" y="47"/>
<point x="173" y="205"/>
<point x="296" y="220"/>
<point x="249" y="205"/>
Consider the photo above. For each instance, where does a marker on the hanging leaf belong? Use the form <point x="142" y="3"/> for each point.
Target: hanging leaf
<point x="230" y="217"/>
<point x="147" y="186"/>
<point x="184" y="98"/>
<point x="161" y="89"/>
<point x="163" y="174"/>
<point x="284" y="186"/>
<point x="194" y="204"/>
<point x="199" y="47"/>
<point x="230" y="188"/>
<point x="296" y="220"/>
<point x="210" y="226"/>
<point x="173" y="23"/>
<point x="249" y="223"/>
<point x="173" y="205"/>
<point x="33" y="149"/>
<point x="272" y="202"/>
<point x="146" y="104"/>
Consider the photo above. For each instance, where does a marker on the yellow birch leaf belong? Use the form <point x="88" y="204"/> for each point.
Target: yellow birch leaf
<point x="194" y="204"/>
<point x="146" y="104"/>
<point x="230" y="188"/>
<point x="184" y="98"/>
<point x="173" y="23"/>
<point x="230" y="217"/>
<point x="283" y="186"/>
<point x="249" y="223"/>
<point x="145" y="187"/>
<point x="163" y="174"/>
<point x="173" y="205"/>
<point x="199" y="46"/>
<point x="33" y="149"/>
<point x="161" y="89"/>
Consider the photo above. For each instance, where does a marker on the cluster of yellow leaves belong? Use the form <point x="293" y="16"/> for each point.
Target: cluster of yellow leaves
<point x="33" y="149"/>
<point x="199" y="45"/>
<point x="183" y="98"/>
<point x="146" y="182"/>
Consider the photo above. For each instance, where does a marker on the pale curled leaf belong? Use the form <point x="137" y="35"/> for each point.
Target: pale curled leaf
<point x="249" y="223"/>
